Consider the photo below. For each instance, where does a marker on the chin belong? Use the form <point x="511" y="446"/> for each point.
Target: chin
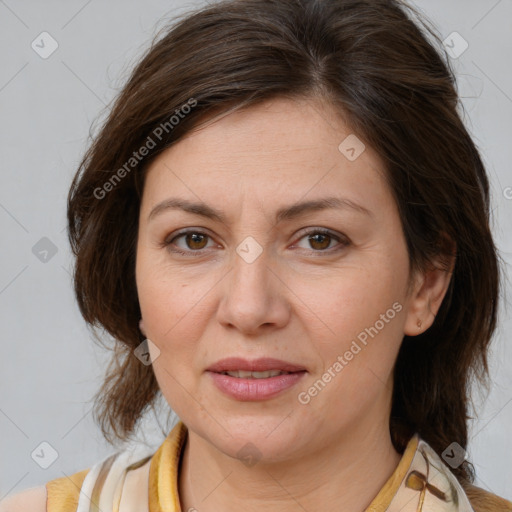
<point x="264" y="438"/>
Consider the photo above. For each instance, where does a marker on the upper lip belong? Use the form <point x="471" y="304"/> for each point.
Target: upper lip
<point x="256" y="365"/>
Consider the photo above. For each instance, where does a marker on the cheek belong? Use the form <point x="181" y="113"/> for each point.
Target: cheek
<point x="344" y="304"/>
<point x="356" y="365"/>
<point x="173" y="307"/>
<point x="170" y="323"/>
<point x="359" y="317"/>
<point x="165" y="299"/>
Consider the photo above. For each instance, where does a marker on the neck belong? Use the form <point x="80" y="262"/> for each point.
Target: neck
<point x="343" y="476"/>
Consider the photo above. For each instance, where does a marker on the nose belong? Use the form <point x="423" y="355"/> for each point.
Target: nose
<point x="255" y="298"/>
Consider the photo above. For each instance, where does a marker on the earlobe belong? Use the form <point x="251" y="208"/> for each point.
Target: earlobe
<point x="428" y="294"/>
<point x="141" y="327"/>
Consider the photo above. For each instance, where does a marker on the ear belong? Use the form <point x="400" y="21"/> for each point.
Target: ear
<point x="429" y="290"/>
<point x="141" y="327"/>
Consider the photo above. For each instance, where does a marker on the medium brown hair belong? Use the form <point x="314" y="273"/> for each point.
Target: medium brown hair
<point x="376" y="62"/>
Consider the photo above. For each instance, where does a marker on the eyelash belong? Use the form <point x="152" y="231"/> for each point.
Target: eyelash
<point x="322" y="231"/>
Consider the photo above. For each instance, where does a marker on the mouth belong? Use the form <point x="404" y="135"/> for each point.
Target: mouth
<point x="260" y="379"/>
<point x="242" y="374"/>
<point x="239" y="365"/>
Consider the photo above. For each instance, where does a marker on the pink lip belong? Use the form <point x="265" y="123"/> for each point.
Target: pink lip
<point x="257" y="365"/>
<point x="255" y="389"/>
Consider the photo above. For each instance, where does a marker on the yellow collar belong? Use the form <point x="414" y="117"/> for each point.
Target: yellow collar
<point x="163" y="472"/>
<point x="420" y="482"/>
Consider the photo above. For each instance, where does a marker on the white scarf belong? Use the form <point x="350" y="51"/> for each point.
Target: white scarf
<point x="119" y="483"/>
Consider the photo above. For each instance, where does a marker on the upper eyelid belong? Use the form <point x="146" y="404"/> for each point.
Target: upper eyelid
<point x="341" y="238"/>
<point x="304" y="231"/>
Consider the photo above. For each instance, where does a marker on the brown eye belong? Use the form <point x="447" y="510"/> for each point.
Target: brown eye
<point x="195" y="240"/>
<point x="320" y="240"/>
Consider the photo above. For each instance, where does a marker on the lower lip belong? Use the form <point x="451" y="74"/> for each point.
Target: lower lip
<point x="255" y="389"/>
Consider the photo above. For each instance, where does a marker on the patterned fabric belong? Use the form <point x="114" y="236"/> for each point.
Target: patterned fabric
<point x="127" y="482"/>
<point x="429" y="486"/>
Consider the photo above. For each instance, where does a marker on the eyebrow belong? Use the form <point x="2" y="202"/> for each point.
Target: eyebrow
<point x="286" y="213"/>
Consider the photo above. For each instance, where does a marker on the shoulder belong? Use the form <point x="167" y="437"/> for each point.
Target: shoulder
<point x="63" y="493"/>
<point x="30" y="500"/>
<point x="485" y="501"/>
<point x="59" y="495"/>
<point x="102" y="484"/>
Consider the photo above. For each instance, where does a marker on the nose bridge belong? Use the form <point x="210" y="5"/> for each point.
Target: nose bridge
<point x="252" y="251"/>
<point x="254" y="261"/>
<point x="252" y="295"/>
<point x="251" y="268"/>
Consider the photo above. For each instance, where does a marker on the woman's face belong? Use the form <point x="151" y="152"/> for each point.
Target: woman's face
<point x="251" y="284"/>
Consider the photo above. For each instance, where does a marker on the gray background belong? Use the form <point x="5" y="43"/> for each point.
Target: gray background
<point x="49" y="367"/>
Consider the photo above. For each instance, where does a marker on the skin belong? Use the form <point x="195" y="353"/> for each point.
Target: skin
<point x="301" y="301"/>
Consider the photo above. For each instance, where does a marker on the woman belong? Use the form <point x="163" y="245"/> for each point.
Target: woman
<point x="279" y="251"/>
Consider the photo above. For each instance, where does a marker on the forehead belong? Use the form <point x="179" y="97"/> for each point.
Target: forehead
<point x="289" y="148"/>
